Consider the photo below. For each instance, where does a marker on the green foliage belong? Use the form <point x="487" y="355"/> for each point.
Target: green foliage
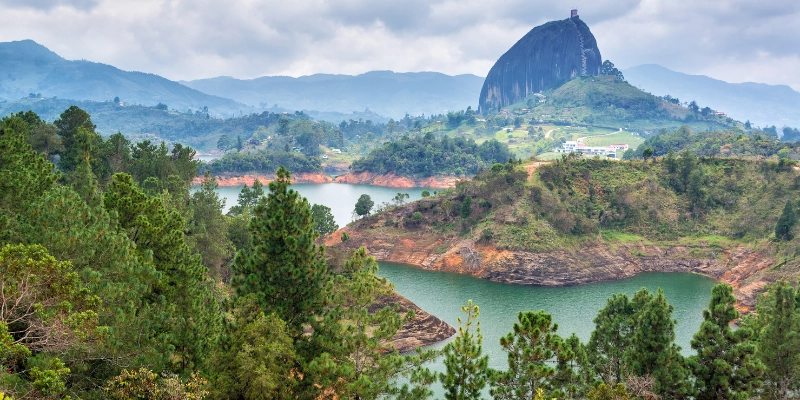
<point x="257" y="358"/>
<point x="45" y="306"/>
<point x="531" y="348"/>
<point x="787" y="220"/>
<point x="323" y="219"/>
<point x="652" y="352"/>
<point x="144" y="384"/>
<point x="777" y="331"/>
<point x="364" y="205"/>
<point x="181" y="288"/>
<point x="368" y="323"/>
<point x="466" y="207"/>
<point x="24" y="174"/>
<point x="725" y="142"/>
<point x="426" y="156"/>
<point x="606" y="392"/>
<point x="67" y="126"/>
<point x="284" y="269"/>
<point x="466" y="366"/>
<point x="48" y="377"/>
<point x="725" y="366"/>
<point x="610" y="338"/>
<point x="263" y="162"/>
<point x="608" y="68"/>
<point x="208" y="228"/>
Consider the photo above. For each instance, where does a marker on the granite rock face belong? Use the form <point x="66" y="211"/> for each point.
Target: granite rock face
<point x="545" y="58"/>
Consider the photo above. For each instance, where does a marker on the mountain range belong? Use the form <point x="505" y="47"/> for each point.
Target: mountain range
<point x="27" y="67"/>
<point x="392" y="94"/>
<point x="764" y="105"/>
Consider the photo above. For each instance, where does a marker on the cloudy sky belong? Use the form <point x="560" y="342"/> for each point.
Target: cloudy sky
<point x="733" y="40"/>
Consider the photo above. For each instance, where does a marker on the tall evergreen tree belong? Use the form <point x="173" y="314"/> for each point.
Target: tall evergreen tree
<point x="725" y="366"/>
<point x="531" y="348"/>
<point x="208" y="228"/>
<point x="610" y="338"/>
<point x="466" y="366"/>
<point x="284" y="268"/>
<point x="777" y="329"/>
<point x="653" y="352"/>
<point x="67" y="126"/>
<point x="190" y="322"/>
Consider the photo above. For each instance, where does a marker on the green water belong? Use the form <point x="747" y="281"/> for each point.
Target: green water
<point x="573" y="308"/>
<point x="340" y="197"/>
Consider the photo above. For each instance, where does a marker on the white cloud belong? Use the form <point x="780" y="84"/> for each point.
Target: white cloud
<point x="736" y="40"/>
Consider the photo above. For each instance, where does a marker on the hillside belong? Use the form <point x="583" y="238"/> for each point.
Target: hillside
<point x="608" y="102"/>
<point x="30" y="68"/>
<point x="578" y="221"/>
<point x="762" y="104"/>
<point x="388" y="93"/>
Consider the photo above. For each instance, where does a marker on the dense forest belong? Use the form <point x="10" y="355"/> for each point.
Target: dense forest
<point x="734" y="143"/>
<point x="426" y="156"/>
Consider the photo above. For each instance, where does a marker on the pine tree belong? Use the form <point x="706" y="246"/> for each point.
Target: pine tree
<point x="323" y="219"/>
<point x="284" y="268"/>
<point x="67" y="125"/>
<point x="777" y="329"/>
<point x="783" y="228"/>
<point x="725" y="366"/>
<point x="531" y="347"/>
<point x="610" y="338"/>
<point x="208" y="228"/>
<point x="190" y="313"/>
<point x="466" y="366"/>
<point x="371" y="365"/>
<point x="652" y="352"/>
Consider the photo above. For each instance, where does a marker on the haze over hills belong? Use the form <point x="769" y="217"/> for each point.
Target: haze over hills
<point x="392" y="94"/>
<point x="764" y="105"/>
<point x="27" y="67"/>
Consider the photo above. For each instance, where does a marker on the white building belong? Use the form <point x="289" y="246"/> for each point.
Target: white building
<point x="578" y="147"/>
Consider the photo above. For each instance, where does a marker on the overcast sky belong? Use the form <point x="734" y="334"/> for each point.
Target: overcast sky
<point x="733" y="40"/>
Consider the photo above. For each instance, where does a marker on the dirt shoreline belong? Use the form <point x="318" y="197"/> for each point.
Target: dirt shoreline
<point x="740" y="267"/>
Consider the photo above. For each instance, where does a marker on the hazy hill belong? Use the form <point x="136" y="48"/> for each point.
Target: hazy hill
<point x="392" y="94"/>
<point x="27" y="67"/>
<point x="762" y="104"/>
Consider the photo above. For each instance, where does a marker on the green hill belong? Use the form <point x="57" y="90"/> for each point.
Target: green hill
<point x="604" y="101"/>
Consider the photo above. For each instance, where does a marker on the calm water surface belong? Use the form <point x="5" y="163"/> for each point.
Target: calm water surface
<point x="573" y="308"/>
<point x="340" y="197"/>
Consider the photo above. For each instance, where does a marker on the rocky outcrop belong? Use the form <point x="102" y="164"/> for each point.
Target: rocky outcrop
<point x="423" y="330"/>
<point x="740" y="267"/>
<point x="545" y="58"/>
<point x="396" y="181"/>
<point x="239" y="180"/>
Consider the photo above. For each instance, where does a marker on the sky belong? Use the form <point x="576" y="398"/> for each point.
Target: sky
<point x="732" y="40"/>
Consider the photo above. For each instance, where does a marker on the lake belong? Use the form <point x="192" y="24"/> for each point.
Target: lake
<point x="442" y="294"/>
<point x="340" y="197"/>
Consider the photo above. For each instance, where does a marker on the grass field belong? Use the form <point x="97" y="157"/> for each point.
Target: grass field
<point x="616" y="138"/>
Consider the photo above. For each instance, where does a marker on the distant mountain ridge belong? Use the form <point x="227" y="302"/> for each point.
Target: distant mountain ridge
<point x="28" y="67"/>
<point x="392" y="94"/>
<point x="762" y="104"/>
